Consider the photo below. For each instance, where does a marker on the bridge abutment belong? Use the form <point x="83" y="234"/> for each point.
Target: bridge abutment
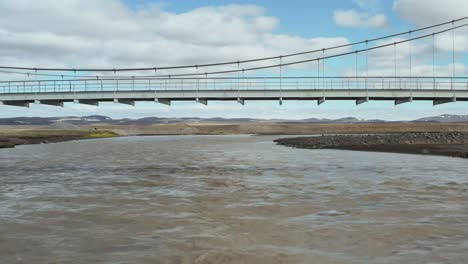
<point x="163" y="101"/>
<point x="362" y="100"/>
<point x="50" y="102"/>
<point x="15" y="103"/>
<point x="321" y="100"/>
<point x="124" y="101"/>
<point x="444" y="101"/>
<point x="86" y="102"/>
<point x="400" y="101"/>
<point x="202" y="101"/>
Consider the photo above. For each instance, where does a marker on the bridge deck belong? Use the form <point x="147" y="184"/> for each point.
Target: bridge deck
<point x="360" y="95"/>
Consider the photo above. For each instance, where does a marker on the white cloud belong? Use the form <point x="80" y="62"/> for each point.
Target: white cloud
<point x="356" y="19"/>
<point x="427" y="12"/>
<point x="107" y="33"/>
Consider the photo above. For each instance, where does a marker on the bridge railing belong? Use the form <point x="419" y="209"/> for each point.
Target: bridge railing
<point x="254" y="83"/>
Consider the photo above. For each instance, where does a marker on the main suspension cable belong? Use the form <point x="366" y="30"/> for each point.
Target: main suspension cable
<point x="322" y="58"/>
<point x="263" y="67"/>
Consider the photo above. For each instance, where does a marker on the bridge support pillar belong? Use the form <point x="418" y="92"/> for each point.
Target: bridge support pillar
<point x="49" y="102"/>
<point x="15" y="103"/>
<point x="163" y="101"/>
<point x="444" y="101"/>
<point x="202" y="101"/>
<point x="124" y="101"/>
<point x="321" y="101"/>
<point x="86" y="102"/>
<point x="241" y="101"/>
<point x="362" y="100"/>
<point x="400" y="101"/>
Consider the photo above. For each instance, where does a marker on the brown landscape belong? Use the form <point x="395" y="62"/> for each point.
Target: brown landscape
<point x="269" y="128"/>
<point x="427" y="138"/>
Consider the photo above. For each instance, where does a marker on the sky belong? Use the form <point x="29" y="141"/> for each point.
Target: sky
<point x="134" y="33"/>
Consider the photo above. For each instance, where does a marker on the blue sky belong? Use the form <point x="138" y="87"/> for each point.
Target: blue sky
<point x="114" y="33"/>
<point x="301" y="17"/>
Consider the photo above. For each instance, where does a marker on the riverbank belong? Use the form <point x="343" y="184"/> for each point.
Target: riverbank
<point x="10" y="139"/>
<point x="272" y="128"/>
<point x="452" y="144"/>
<point x="11" y="136"/>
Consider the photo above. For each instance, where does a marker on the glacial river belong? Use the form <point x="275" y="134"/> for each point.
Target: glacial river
<point x="228" y="199"/>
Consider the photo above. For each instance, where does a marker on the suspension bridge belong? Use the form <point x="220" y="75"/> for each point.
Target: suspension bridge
<point x="261" y="78"/>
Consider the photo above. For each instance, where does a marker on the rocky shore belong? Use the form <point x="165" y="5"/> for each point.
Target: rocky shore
<point x="453" y="144"/>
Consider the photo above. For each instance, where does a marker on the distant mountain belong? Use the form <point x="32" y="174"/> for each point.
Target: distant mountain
<point x="345" y="120"/>
<point x="444" y="119"/>
<point x="26" y="121"/>
<point x="51" y="120"/>
<point x="231" y="120"/>
<point x="97" y="119"/>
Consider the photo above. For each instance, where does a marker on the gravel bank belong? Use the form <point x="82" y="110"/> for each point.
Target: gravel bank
<point x="453" y="144"/>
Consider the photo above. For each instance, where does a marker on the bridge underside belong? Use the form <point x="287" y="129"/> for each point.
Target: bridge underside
<point x="204" y="96"/>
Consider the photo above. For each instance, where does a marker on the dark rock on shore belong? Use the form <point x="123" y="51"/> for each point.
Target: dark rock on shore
<point x="454" y="144"/>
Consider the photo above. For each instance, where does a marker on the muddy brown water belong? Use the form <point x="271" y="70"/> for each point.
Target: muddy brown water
<point x="228" y="199"/>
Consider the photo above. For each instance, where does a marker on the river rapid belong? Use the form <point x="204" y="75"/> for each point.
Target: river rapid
<point x="228" y="199"/>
